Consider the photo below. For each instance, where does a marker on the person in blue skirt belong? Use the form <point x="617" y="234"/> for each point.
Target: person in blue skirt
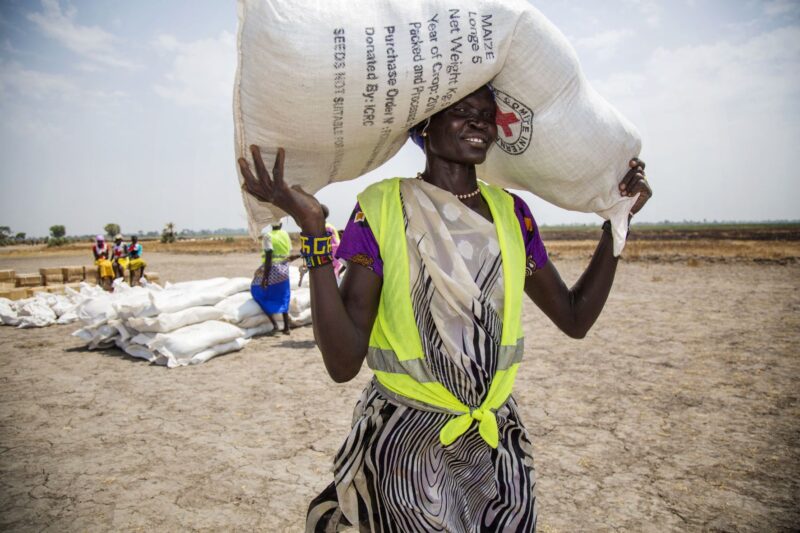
<point x="270" y="287"/>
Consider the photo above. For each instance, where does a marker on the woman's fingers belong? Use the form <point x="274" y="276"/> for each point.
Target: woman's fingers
<point x="250" y="182"/>
<point x="256" y="185"/>
<point x="627" y="181"/>
<point x="277" y="169"/>
<point x="636" y="173"/>
<point x="642" y="188"/>
<point x="632" y="186"/>
<point x="301" y="206"/>
<point x="261" y="169"/>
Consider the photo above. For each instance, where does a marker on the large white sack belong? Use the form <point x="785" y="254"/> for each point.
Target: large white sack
<point x="8" y="313"/>
<point x="131" y="303"/>
<point x="220" y="349"/>
<point x="68" y="317"/>
<point x="172" y="321"/>
<point x="254" y="321"/>
<point x="190" y="340"/>
<point x="97" y="306"/>
<point x="300" y="301"/>
<point x="35" y="313"/>
<point x="100" y="336"/>
<point x="381" y="67"/>
<point x="62" y="305"/>
<point x="263" y="329"/>
<point x="135" y="350"/>
<point x="303" y="318"/>
<point x="195" y="284"/>
<point x="171" y="301"/>
<point x="240" y="306"/>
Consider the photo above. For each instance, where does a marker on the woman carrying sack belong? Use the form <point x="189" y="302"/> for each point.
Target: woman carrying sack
<point x="432" y="298"/>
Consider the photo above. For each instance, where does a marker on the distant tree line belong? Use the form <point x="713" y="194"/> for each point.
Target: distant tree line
<point x="58" y="234"/>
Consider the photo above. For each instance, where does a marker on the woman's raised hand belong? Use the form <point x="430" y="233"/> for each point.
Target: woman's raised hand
<point x="635" y="183"/>
<point x="301" y="206"/>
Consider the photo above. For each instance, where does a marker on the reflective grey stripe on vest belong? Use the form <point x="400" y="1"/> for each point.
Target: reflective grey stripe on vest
<point x="386" y="361"/>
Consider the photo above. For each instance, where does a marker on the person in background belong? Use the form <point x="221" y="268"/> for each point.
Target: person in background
<point x="270" y="287"/>
<point x="334" y="233"/>
<point x="135" y="262"/>
<point x="105" y="271"/>
<point x="119" y="256"/>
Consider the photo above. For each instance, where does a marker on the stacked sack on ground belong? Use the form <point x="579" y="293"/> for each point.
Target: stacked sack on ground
<point x="45" y="309"/>
<point x="183" y="323"/>
<point x="180" y="324"/>
<point x="42" y="309"/>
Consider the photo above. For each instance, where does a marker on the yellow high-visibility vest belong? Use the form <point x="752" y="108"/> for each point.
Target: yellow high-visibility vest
<point x="395" y="349"/>
<point x="281" y="246"/>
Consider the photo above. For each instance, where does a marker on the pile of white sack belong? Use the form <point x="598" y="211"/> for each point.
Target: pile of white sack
<point x="43" y="309"/>
<point x="180" y="324"/>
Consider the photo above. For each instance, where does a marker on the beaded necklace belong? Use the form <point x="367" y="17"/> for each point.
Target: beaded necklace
<point x="476" y="192"/>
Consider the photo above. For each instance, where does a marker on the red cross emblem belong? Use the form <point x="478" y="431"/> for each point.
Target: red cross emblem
<point x="504" y="120"/>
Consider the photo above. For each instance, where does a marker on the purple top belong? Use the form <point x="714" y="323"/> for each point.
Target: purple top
<point x="359" y="245"/>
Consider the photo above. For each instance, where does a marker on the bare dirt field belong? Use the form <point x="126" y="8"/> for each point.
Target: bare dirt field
<point x="680" y="411"/>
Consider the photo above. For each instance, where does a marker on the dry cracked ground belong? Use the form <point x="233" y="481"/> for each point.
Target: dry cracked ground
<point x="680" y="411"/>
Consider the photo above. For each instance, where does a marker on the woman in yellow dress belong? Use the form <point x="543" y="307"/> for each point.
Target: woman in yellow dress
<point x="105" y="270"/>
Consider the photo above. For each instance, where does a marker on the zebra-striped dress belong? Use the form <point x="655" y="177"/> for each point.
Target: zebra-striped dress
<point x="392" y="473"/>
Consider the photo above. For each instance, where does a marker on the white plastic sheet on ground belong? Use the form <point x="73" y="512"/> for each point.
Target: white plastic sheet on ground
<point x="380" y="68"/>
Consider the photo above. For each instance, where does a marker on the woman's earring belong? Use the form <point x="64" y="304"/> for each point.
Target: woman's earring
<point x="424" y="133"/>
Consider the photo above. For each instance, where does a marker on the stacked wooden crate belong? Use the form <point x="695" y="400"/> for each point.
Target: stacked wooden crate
<point x="72" y="274"/>
<point x="27" y="285"/>
<point x="52" y="277"/>
<point x="7" y="279"/>
<point x="8" y="286"/>
<point x="28" y="280"/>
<point x="90" y="274"/>
<point x="16" y="286"/>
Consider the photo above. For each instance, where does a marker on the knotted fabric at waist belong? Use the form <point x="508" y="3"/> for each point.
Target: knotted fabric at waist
<point x="411" y="383"/>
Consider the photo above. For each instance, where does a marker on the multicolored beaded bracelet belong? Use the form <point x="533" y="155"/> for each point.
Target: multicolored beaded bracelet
<point x="315" y="251"/>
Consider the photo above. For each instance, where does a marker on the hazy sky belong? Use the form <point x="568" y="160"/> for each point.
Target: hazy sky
<point x="120" y="111"/>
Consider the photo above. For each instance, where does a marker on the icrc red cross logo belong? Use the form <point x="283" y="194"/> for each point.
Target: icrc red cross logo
<point x="513" y="124"/>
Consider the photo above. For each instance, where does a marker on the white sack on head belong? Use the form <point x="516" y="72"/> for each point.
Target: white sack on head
<point x="379" y="68"/>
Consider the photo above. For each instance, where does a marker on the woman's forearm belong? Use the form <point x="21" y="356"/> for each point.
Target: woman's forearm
<point x="342" y="319"/>
<point x="589" y="294"/>
<point x="574" y="310"/>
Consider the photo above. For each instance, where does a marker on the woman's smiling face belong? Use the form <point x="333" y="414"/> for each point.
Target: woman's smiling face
<point x="464" y="132"/>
